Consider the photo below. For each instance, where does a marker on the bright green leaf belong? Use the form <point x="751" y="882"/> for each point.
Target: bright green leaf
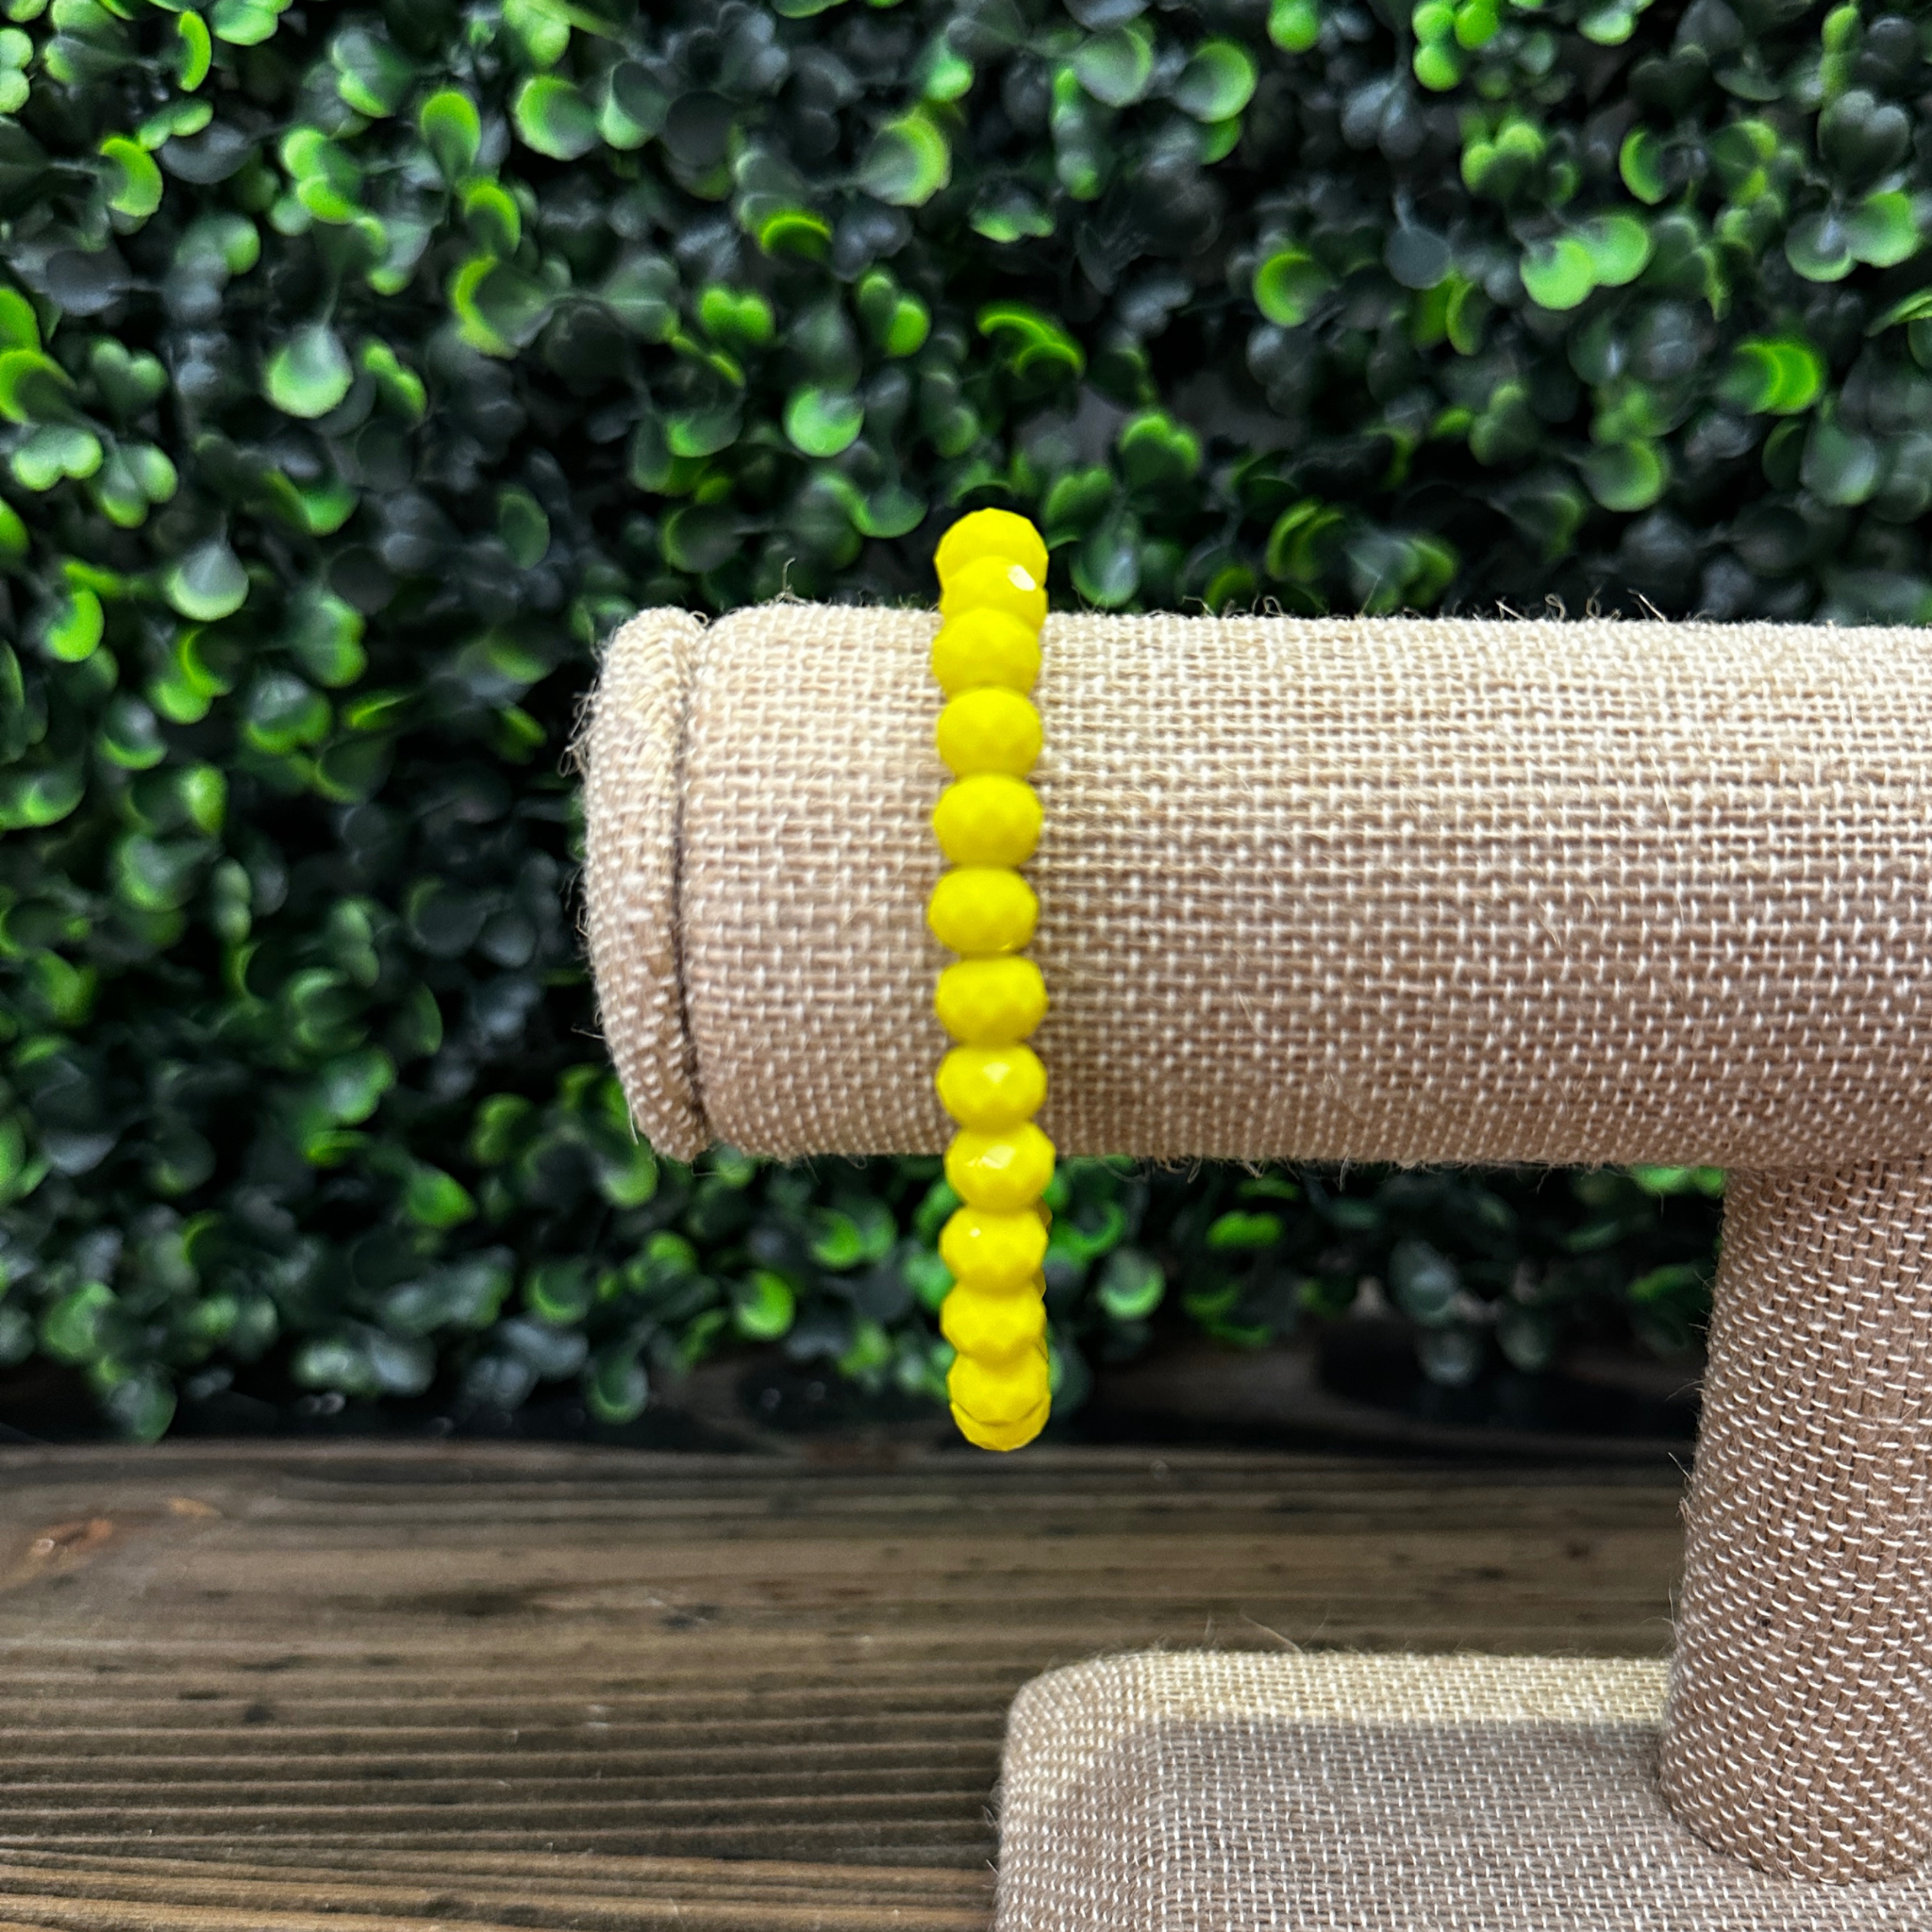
<point x="310" y="374"/>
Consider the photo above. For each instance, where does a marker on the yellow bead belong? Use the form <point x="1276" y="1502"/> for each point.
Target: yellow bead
<point x="989" y="730"/>
<point x="988" y="820"/>
<point x="992" y="1327"/>
<point x="991" y="1252"/>
<point x="1006" y="1393"/>
<point x="992" y="1086"/>
<point x="991" y="1002"/>
<point x="982" y="647"/>
<point x="1002" y="1436"/>
<point x="995" y="583"/>
<point x="982" y="909"/>
<point x="990" y="533"/>
<point x="1002" y="1172"/>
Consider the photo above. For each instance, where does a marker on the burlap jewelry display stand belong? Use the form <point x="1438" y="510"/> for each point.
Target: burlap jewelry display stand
<point x="1412" y="891"/>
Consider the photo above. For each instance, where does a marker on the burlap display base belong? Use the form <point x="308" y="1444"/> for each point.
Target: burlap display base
<point x="1204" y="1792"/>
<point x="1350" y="889"/>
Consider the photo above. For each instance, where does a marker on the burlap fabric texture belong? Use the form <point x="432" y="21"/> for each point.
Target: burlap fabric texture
<point x="1229" y="1792"/>
<point x="1394" y="891"/>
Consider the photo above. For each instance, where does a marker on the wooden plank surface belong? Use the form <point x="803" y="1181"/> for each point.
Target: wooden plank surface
<point x="266" y="1689"/>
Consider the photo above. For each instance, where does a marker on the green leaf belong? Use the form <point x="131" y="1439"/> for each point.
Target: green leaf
<point x="889" y="513"/>
<point x="1620" y="250"/>
<point x="1132" y="1285"/>
<point x="326" y="636"/>
<point x="453" y="130"/>
<point x="1242" y="1232"/>
<point x="1819" y="247"/>
<point x="523" y="527"/>
<point x="1294" y="26"/>
<point x="434" y="1199"/>
<point x="70" y="1327"/>
<point x="908" y="163"/>
<point x="1158" y="453"/>
<point x="498" y="309"/>
<point x="20" y="327"/>
<point x="1776" y="375"/>
<point x="1116" y="67"/>
<point x="616" y="1387"/>
<point x="1882" y="230"/>
<point x="1287" y="285"/>
<point x="56" y="450"/>
<point x="1034" y="344"/>
<point x="208" y="584"/>
<point x="34" y="388"/>
<point x="1640" y="162"/>
<point x="1005" y="212"/>
<point x="32" y="800"/>
<point x="822" y="423"/>
<point x="1841" y="466"/>
<point x="76" y="629"/>
<point x="741" y="319"/>
<point x="555" y="118"/>
<point x="134" y="183"/>
<point x="762" y="1305"/>
<point x="371" y="76"/>
<point x="1106" y="565"/>
<point x="1217" y="82"/>
<point x="195" y="54"/>
<point x="1561" y="273"/>
<point x="1626" y="475"/>
<point x="246" y="23"/>
<point x="700" y="536"/>
<point x="795" y="231"/>
<point x="310" y="373"/>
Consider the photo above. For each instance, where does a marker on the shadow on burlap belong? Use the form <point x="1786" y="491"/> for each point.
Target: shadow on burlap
<point x="1244" y="1793"/>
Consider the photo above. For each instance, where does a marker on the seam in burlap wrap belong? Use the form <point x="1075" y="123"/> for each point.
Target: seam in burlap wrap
<point x="1315" y="888"/>
<point x="1237" y="1792"/>
<point x="631" y="751"/>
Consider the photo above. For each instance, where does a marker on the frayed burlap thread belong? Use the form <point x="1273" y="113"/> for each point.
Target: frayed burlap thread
<point x="1321" y="888"/>
<point x="1393" y="890"/>
<point x="1227" y="1793"/>
<point x="1801" y="1714"/>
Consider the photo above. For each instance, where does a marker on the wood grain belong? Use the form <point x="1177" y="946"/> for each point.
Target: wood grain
<point x="279" y="1690"/>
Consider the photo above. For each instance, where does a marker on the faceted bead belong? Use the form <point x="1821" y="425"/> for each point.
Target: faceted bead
<point x="1002" y="1436"/>
<point x="990" y="533"/>
<point x="989" y="730"/>
<point x="992" y="1086"/>
<point x="988" y="820"/>
<point x="995" y="583"/>
<point x="991" y="1002"/>
<point x="1002" y="1172"/>
<point x="991" y="1252"/>
<point x="1005" y="1393"/>
<point x="986" y="647"/>
<point x="992" y="1327"/>
<point x="982" y="909"/>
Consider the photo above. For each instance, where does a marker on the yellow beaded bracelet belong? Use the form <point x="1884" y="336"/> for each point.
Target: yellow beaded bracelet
<point x="992" y="574"/>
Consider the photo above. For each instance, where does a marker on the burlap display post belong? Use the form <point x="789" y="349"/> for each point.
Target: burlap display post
<point x="1800" y="1732"/>
<point x="1393" y="890"/>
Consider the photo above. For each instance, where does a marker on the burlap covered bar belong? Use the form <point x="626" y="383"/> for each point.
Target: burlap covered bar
<point x="1394" y="891"/>
<point x="1309" y="890"/>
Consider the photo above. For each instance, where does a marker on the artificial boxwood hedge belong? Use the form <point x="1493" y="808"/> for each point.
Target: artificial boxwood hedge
<point x="361" y="367"/>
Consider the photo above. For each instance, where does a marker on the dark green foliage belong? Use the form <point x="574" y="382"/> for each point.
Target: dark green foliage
<point x="361" y="367"/>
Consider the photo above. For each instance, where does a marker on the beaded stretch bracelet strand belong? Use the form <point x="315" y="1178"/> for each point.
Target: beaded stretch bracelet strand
<point x="992" y="571"/>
